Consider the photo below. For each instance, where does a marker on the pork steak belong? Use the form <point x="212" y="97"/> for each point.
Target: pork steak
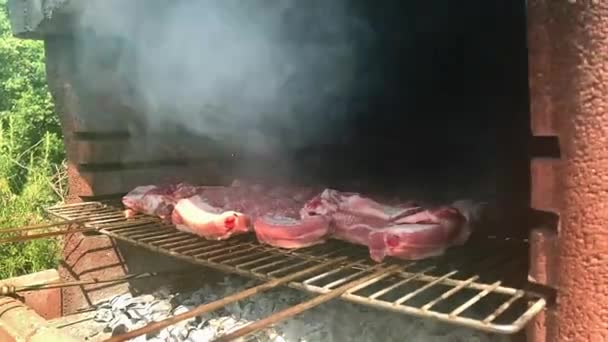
<point x="287" y="232"/>
<point x="195" y="215"/>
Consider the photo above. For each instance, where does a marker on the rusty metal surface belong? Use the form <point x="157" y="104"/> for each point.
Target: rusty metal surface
<point x="472" y="287"/>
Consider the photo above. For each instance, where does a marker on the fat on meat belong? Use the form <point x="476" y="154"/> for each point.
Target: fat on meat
<point x="353" y="228"/>
<point x="291" y="233"/>
<point x="422" y="235"/>
<point x="331" y="201"/>
<point x="134" y="199"/>
<point x="353" y="216"/>
<point x="195" y="215"/>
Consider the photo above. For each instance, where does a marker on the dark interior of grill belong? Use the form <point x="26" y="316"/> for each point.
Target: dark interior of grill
<point x="437" y="109"/>
<point x="449" y="112"/>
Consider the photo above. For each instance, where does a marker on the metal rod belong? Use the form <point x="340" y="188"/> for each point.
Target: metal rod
<point x="503" y="307"/>
<point x="44" y="235"/>
<point x="327" y="274"/>
<point x="399" y="283"/>
<point x="423" y="288"/>
<point x="41" y="226"/>
<point x="473" y="300"/>
<point x="6" y="290"/>
<point x="297" y="309"/>
<point x="156" y="326"/>
<point x="449" y="293"/>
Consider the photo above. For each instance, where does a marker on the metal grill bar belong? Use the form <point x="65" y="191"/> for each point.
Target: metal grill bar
<point x="294" y="310"/>
<point x="449" y="293"/>
<point x="474" y="300"/>
<point x="503" y="307"/>
<point x="419" y="290"/>
<point x="413" y="288"/>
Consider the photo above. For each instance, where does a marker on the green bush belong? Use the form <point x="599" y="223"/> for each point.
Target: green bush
<point x="31" y="150"/>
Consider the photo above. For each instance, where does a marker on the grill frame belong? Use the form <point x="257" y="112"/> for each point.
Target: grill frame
<point x="154" y="235"/>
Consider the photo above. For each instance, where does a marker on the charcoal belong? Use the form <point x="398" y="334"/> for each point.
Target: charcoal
<point x="104" y="315"/>
<point x="337" y="321"/>
<point x="182" y="309"/>
<point x="159" y="306"/>
<point x="119" y="329"/>
<point x="179" y="333"/>
<point x="200" y="335"/>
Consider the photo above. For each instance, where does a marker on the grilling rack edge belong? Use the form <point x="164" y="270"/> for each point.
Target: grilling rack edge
<point x="244" y="256"/>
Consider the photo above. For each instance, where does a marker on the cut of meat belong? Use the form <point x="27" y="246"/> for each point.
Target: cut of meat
<point x="409" y="242"/>
<point x="354" y="229"/>
<point x="405" y="231"/>
<point x="157" y="200"/>
<point x="134" y="199"/>
<point x="353" y="216"/>
<point x="425" y="234"/>
<point x="285" y="232"/>
<point x="331" y="201"/>
<point x="194" y="215"/>
<point x="292" y="217"/>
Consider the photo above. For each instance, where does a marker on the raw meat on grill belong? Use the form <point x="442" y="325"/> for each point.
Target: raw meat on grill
<point x="331" y="201"/>
<point x="195" y="215"/>
<point x="287" y="232"/>
<point x="404" y="231"/>
<point x="244" y="201"/>
<point x="422" y="235"/>
<point x="157" y="200"/>
<point x="292" y="217"/>
<point x="134" y="199"/>
<point x="354" y="216"/>
<point x="354" y="229"/>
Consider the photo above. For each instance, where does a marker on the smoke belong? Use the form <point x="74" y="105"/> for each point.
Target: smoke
<point x="267" y="75"/>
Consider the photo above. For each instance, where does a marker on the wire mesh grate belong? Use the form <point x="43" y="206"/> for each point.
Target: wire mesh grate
<point x="472" y="286"/>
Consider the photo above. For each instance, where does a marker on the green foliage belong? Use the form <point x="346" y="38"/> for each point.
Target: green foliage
<point x="31" y="147"/>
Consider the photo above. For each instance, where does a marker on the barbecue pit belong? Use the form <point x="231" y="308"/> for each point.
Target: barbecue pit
<point x="529" y="139"/>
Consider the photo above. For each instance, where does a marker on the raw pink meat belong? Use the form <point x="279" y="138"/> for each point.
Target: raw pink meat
<point x="405" y="231"/>
<point x="354" y="229"/>
<point x="195" y="215"/>
<point x="353" y="216"/>
<point x="292" y="217"/>
<point x="134" y="199"/>
<point x="422" y="235"/>
<point x="286" y="232"/>
<point x="331" y="201"/>
<point x="157" y="200"/>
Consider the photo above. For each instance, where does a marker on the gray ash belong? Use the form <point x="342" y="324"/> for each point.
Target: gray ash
<point x="334" y="321"/>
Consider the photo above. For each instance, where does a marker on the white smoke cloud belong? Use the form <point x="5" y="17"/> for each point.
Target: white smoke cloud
<point x="267" y="74"/>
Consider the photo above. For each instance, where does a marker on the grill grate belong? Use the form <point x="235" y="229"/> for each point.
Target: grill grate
<point x="472" y="287"/>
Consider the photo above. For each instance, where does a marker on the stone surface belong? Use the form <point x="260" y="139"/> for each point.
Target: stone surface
<point x="24" y="324"/>
<point x="578" y="33"/>
<point x="47" y="303"/>
<point x="543" y="257"/>
<point x="540" y="58"/>
<point x="543" y="187"/>
<point x="543" y="327"/>
<point x="87" y="257"/>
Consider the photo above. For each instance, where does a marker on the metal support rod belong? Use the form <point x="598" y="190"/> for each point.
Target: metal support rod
<point x="297" y="309"/>
<point x="44" y="235"/>
<point x="41" y="226"/>
<point x="9" y="290"/>
<point x="156" y="326"/>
